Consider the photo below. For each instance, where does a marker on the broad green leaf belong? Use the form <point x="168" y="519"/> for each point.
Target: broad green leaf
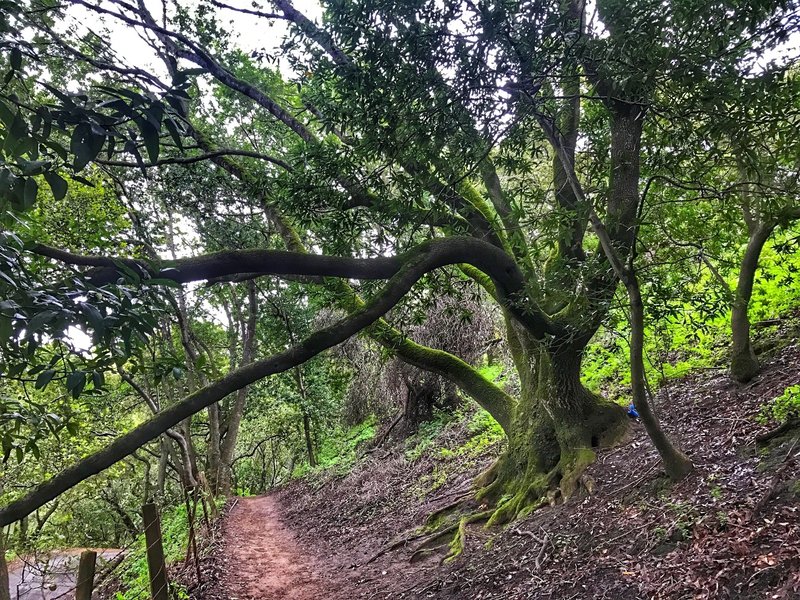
<point x="31" y="191"/>
<point x="39" y="320"/>
<point x="15" y="59"/>
<point x="151" y="141"/>
<point x="85" y="145"/>
<point x="44" y="378"/>
<point x="76" y="382"/>
<point x="6" y="114"/>
<point x="57" y="184"/>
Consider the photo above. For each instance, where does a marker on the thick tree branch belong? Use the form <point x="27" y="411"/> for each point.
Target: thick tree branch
<point x="490" y="396"/>
<point x="488" y="258"/>
<point x="319" y="36"/>
<point x="187" y="160"/>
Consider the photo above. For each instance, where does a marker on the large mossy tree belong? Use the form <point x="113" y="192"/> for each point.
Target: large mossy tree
<point x="503" y="141"/>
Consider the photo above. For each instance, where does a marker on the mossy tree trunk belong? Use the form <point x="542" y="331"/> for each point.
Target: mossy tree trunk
<point x="556" y="427"/>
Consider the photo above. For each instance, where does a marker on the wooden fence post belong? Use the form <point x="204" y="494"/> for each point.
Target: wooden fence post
<point x="83" y="591"/>
<point x="155" y="553"/>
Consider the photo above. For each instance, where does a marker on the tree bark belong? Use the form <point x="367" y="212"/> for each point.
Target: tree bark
<point x="236" y="414"/>
<point x="5" y="592"/>
<point x="161" y="477"/>
<point x="626" y="129"/>
<point x="213" y="450"/>
<point x="312" y="458"/>
<point x="744" y="364"/>
<point x="676" y="464"/>
<point x="556" y="428"/>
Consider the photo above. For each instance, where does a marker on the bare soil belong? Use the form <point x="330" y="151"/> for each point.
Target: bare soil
<point x="262" y="559"/>
<point x="731" y="530"/>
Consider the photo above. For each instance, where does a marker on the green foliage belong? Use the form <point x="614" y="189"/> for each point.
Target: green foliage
<point x="691" y="338"/>
<point x="484" y="433"/>
<point x="340" y="448"/>
<point x="427" y="433"/>
<point x="782" y="408"/>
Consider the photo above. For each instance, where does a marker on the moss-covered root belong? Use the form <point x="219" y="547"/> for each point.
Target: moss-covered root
<point x="438" y="517"/>
<point x="460" y="538"/>
<point x="453" y="537"/>
<point x="572" y="467"/>
<point x="518" y="498"/>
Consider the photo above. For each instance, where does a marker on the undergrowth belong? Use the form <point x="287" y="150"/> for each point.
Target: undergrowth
<point x="782" y="408"/>
<point x="175" y="535"/>
<point x="339" y="451"/>
<point x="694" y="336"/>
<point x="134" y="576"/>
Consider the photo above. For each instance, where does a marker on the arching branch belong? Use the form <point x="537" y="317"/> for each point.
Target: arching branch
<point x="187" y="160"/>
<point x="427" y="257"/>
<point x="488" y="258"/>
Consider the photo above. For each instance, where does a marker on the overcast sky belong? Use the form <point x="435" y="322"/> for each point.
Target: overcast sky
<point x="248" y="32"/>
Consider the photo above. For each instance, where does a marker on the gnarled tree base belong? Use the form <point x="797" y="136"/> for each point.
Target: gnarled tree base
<point x="549" y="468"/>
<point x="517" y="483"/>
<point x="744" y="364"/>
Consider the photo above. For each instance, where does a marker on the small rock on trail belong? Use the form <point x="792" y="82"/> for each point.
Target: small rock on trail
<point x="263" y="560"/>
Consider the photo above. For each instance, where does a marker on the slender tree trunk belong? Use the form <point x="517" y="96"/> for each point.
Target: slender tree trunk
<point x="626" y="129"/>
<point x="312" y="459"/>
<point x="161" y="477"/>
<point x="42" y="521"/>
<point x="237" y="411"/>
<point x="744" y="364"/>
<point x="214" y="452"/>
<point x="125" y="518"/>
<point x="147" y="490"/>
<point x="22" y="532"/>
<point x="676" y="464"/>
<point x="5" y="592"/>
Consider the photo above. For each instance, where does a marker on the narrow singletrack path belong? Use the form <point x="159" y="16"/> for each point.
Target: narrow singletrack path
<point x="264" y="562"/>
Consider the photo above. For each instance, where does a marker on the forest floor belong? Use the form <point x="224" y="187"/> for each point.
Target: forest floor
<point x="731" y="530"/>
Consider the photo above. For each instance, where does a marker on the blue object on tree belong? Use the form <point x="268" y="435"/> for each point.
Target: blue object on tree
<point x="632" y="412"/>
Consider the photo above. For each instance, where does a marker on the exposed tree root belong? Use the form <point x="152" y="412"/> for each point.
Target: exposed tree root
<point x="502" y="493"/>
<point x="460" y="538"/>
<point x="403" y="541"/>
<point x="456" y="543"/>
<point x="786" y="427"/>
<point x="514" y="497"/>
<point x="431" y="531"/>
<point x="439" y="515"/>
<point x="429" y="545"/>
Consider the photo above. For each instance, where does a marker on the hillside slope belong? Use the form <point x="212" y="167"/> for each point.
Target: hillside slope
<point x="731" y="530"/>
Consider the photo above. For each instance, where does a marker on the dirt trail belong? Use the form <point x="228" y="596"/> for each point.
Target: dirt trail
<point x="263" y="560"/>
